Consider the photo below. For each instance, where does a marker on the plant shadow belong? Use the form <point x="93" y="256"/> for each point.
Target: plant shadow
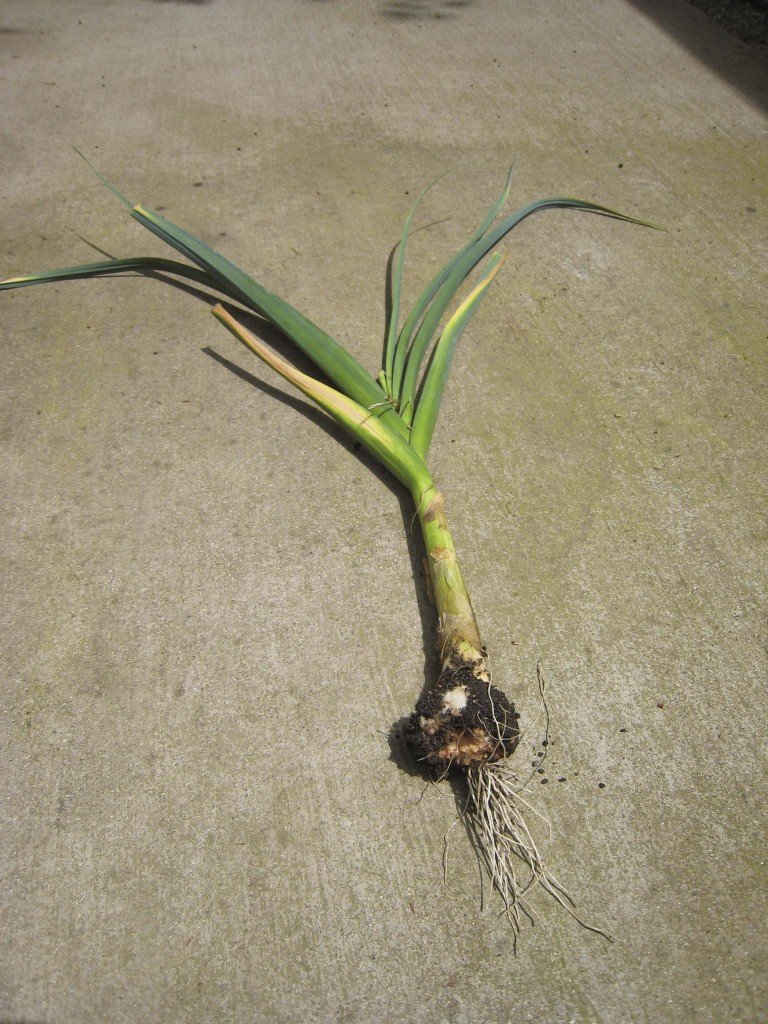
<point x="427" y="613"/>
<point x="400" y="754"/>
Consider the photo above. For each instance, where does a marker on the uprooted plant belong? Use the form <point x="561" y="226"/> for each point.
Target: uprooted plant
<point x="463" y="723"/>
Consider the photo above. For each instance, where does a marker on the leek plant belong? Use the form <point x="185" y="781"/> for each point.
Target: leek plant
<point x="463" y="722"/>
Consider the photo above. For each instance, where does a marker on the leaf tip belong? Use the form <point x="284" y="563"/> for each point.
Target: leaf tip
<point x="112" y="188"/>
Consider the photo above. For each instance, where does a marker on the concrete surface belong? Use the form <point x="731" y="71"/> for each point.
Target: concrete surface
<point x="213" y="611"/>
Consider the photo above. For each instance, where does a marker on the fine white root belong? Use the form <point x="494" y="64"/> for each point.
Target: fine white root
<point x="494" y="814"/>
<point x="466" y="728"/>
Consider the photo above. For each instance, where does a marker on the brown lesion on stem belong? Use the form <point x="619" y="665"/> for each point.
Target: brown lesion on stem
<point x="463" y="720"/>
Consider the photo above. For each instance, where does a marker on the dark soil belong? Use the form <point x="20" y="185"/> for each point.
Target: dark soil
<point x="485" y="730"/>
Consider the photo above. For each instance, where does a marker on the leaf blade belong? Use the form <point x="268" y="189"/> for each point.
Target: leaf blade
<point x="429" y="292"/>
<point x="463" y="265"/>
<point x="106" y="268"/>
<point x="435" y="381"/>
<point x="386" y="445"/>
<point x="393" y="338"/>
<point x="326" y="353"/>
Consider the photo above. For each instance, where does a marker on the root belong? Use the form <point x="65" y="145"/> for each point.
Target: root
<point x="494" y="814"/>
<point x="466" y="726"/>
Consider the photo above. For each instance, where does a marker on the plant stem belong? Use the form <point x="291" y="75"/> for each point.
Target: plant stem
<point x="457" y="625"/>
<point x="463" y="720"/>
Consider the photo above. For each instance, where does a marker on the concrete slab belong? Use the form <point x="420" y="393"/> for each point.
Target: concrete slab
<point x="213" y="613"/>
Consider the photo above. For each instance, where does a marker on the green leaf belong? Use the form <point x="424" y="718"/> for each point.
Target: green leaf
<point x="442" y="357"/>
<point x="105" y="181"/>
<point x="429" y="292"/>
<point x="338" y="364"/>
<point x="384" y="443"/>
<point x="463" y="265"/>
<point x="137" y="264"/>
<point x="390" y="349"/>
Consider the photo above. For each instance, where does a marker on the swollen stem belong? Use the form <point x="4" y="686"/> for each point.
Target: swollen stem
<point x="462" y="720"/>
